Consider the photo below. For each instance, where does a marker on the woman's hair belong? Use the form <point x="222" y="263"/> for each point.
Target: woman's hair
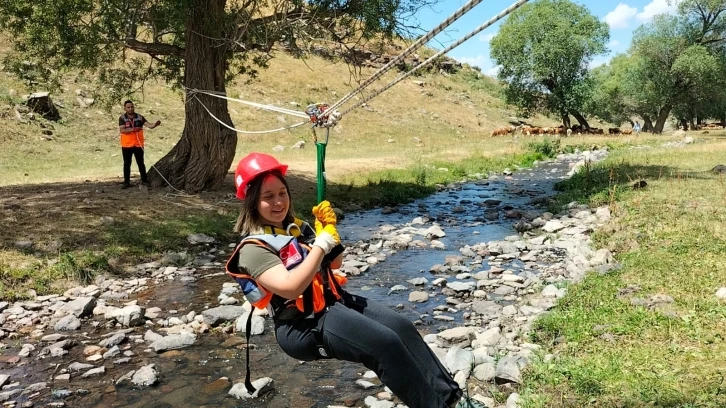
<point x="249" y="221"/>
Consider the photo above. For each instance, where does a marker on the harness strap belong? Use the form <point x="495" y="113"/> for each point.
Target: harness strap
<point x="248" y="329"/>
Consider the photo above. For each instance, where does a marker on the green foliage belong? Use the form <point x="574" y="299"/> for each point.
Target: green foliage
<point x="82" y="267"/>
<point x="544" y="49"/>
<point x="51" y="38"/>
<point x="71" y="268"/>
<point x="546" y="147"/>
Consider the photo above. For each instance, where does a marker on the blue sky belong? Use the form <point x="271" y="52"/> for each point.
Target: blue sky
<point x="622" y="16"/>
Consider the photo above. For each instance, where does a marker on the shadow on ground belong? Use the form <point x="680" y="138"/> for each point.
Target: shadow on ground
<point x="132" y="223"/>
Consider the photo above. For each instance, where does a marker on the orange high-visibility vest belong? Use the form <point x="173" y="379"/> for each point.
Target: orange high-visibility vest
<point x="133" y="139"/>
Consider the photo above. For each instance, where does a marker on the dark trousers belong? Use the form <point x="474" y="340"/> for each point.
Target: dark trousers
<point x="363" y="331"/>
<point x="138" y="153"/>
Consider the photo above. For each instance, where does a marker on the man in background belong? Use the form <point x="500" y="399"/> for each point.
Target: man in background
<point x="131" y="126"/>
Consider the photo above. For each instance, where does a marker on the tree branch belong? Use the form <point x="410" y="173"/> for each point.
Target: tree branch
<point x="154" y="48"/>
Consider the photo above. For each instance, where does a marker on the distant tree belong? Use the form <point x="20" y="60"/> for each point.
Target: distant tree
<point x="199" y="44"/>
<point x="544" y="50"/>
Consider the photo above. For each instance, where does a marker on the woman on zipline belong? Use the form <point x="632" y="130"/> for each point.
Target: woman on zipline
<point x="285" y="265"/>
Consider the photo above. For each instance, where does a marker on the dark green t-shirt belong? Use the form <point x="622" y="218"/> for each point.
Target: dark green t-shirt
<point x="255" y="259"/>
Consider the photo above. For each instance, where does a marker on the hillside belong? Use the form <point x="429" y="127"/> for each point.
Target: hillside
<point x="450" y="116"/>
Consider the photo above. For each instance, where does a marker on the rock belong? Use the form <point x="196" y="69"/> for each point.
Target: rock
<point x="435" y="232"/>
<point x="151" y="337"/>
<point x="25" y="351"/>
<point x="8" y="395"/>
<point x="111" y="353"/>
<point x="688" y="140"/>
<point x="461" y="336"/>
<point x="75" y="366"/>
<point x="217" y="315"/>
<point x="489" y="338"/>
<point x="487" y="308"/>
<point x="94" y="371"/>
<point x="174" y="341"/>
<point x="106" y="220"/>
<point x="68" y="323"/>
<point x="461" y="286"/>
<point x="550" y="291"/>
<point x="719" y="169"/>
<point x="145" y="376"/>
<point x="80" y="307"/>
<point x="261" y="385"/>
<point x="602" y="256"/>
<point x="458" y="359"/>
<point x="196" y="239"/>
<point x="513" y="400"/>
<point x="278" y="148"/>
<point x="4" y="378"/>
<point x="258" y="324"/>
<point x="553" y="226"/>
<point x="507" y="371"/>
<point x="24" y="244"/>
<point x="42" y="104"/>
<point x="418" y="281"/>
<point x="418" y="297"/>
<point x="373" y="402"/>
<point x="366" y="385"/>
<point x="35" y="387"/>
<point x="113" y="340"/>
<point x="721" y="293"/>
<point x="436" y="244"/>
<point x="298" y="145"/>
<point x="485" y="372"/>
<point x="397" y="288"/>
<point x="128" y="316"/>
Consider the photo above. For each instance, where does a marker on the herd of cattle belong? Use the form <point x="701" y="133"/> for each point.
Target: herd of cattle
<point x="577" y="130"/>
<point x="559" y="130"/>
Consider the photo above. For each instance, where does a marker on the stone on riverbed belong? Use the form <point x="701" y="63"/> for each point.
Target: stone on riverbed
<point x="261" y="385"/>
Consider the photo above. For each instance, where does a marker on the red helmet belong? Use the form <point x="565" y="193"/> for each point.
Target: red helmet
<point x="252" y="166"/>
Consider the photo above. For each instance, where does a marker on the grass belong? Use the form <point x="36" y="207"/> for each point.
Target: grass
<point x="670" y="238"/>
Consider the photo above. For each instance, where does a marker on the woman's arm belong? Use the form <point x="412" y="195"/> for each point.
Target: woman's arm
<point x="291" y="284"/>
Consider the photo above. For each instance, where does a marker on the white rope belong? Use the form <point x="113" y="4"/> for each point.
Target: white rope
<point x="247" y="132"/>
<point x="431" y="34"/>
<point x="401" y="77"/>
<point x="256" y="105"/>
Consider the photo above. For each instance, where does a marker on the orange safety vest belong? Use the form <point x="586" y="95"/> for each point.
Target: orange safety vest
<point x="132" y="139"/>
<point x="322" y="291"/>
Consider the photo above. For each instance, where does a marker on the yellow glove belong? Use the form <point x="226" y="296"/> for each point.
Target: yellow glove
<point x="327" y="229"/>
<point x="324" y="213"/>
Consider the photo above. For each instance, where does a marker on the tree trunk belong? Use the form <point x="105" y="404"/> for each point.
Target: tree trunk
<point x="581" y="119"/>
<point x="662" y="117"/>
<point x="647" y="124"/>
<point x="566" y="120"/>
<point x="723" y="120"/>
<point x="201" y="159"/>
<point x="684" y="123"/>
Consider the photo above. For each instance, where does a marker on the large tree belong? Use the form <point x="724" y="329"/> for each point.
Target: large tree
<point x="544" y="50"/>
<point x="198" y="44"/>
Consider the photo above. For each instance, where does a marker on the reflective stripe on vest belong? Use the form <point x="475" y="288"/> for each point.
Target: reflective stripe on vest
<point x="132" y="139"/>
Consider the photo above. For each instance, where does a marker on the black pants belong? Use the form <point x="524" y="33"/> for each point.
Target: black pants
<point x="138" y="153"/>
<point x="363" y="331"/>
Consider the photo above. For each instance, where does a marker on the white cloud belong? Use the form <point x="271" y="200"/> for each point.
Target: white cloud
<point x="613" y="44"/>
<point x="622" y="14"/>
<point x="478" y="61"/>
<point x="487" y="37"/>
<point x="492" y="72"/>
<point x="656" y="7"/>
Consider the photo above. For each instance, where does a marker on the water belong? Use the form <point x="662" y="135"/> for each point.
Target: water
<point x="189" y="377"/>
